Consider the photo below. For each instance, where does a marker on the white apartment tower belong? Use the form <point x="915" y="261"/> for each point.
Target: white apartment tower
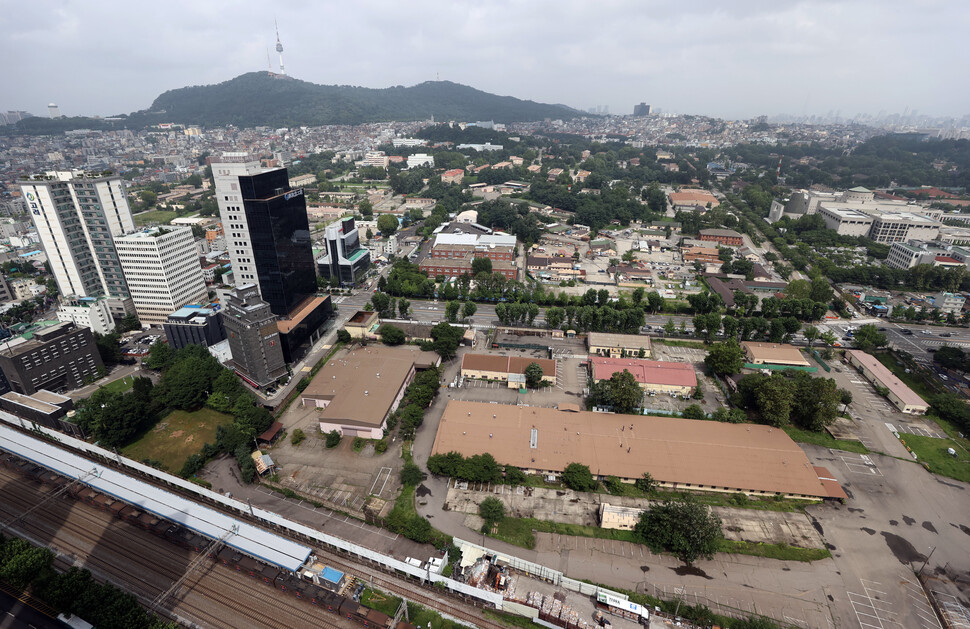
<point x="78" y="215"/>
<point x="226" y="171"/>
<point x="87" y="312"/>
<point x="163" y="271"/>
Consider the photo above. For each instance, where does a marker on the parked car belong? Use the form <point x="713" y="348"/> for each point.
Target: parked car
<point x="946" y="335"/>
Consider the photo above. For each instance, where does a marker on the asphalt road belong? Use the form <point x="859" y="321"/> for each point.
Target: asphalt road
<point x="17" y="615"/>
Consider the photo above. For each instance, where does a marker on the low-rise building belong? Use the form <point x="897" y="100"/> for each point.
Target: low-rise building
<point x="758" y="353"/>
<point x="704" y="255"/>
<point x="363" y="324"/>
<point x="420" y="159"/>
<point x="902" y="397"/>
<point x="949" y="302"/>
<point x="194" y="325"/>
<point x="43" y="407"/>
<point x="681" y="454"/>
<point x="687" y="200"/>
<point x="358" y="390"/>
<point x="93" y="313"/>
<point x="455" y="175"/>
<point x="505" y="368"/>
<point x="726" y="237"/>
<point x="59" y="358"/>
<point x="618" y="345"/>
<point x="652" y="375"/>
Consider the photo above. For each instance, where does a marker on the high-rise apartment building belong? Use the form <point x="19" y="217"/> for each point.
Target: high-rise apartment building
<point x="279" y="237"/>
<point x="254" y="338"/>
<point x="78" y="215"/>
<point x="163" y="271"/>
<point x="87" y="312"/>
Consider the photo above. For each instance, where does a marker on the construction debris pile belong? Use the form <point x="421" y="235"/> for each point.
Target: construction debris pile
<point x="553" y="609"/>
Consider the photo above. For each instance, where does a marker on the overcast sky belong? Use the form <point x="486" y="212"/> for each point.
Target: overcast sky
<point x="733" y="58"/>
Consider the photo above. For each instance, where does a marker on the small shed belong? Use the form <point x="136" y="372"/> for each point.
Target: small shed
<point x="272" y="434"/>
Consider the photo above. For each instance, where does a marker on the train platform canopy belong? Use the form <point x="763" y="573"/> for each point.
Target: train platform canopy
<point x="248" y="539"/>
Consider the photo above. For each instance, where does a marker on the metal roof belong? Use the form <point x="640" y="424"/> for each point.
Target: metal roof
<point x="249" y="539"/>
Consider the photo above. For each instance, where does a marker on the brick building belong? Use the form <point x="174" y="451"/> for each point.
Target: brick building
<point x="727" y="237"/>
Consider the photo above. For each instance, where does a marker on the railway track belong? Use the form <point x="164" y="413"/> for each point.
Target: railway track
<point x="147" y="565"/>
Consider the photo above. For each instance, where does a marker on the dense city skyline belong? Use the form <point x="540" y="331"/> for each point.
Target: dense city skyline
<point x="733" y="61"/>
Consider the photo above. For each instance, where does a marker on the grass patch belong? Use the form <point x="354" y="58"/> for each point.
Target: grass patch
<point x="773" y="551"/>
<point x="915" y="380"/>
<point x="520" y="531"/>
<point x="381" y="601"/>
<point x="509" y="620"/>
<point x="825" y="440"/>
<point x="423" y="617"/>
<point x="177" y="436"/>
<point x="155" y="216"/>
<point x="681" y="343"/>
<point x="933" y="455"/>
<point x="119" y="386"/>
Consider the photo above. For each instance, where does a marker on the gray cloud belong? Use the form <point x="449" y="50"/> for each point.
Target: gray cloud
<point x="733" y="59"/>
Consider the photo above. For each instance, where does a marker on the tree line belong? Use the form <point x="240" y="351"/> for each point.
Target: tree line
<point x="74" y="592"/>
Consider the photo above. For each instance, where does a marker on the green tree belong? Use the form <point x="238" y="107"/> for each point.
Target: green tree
<point x="669" y="327"/>
<point x="366" y="209"/>
<point x="468" y="309"/>
<point x="621" y="391"/>
<point x="533" y="375"/>
<point x="160" y="356"/>
<point x="343" y="336"/>
<point x="816" y="402"/>
<point x="577" y="477"/>
<point x="392" y="335"/>
<point x="811" y="333"/>
<point x="868" y="338"/>
<point x="108" y="347"/>
<point x="411" y="474"/>
<point x="387" y="224"/>
<point x="404" y="307"/>
<point x="446" y="339"/>
<point x="775" y="397"/>
<point x="451" y="311"/>
<point x="513" y="475"/>
<point x="333" y="439"/>
<point x="645" y="483"/>
<point x="27" y="565"/>
<point x="725" y="358"/>
<point x="492" y="511"/>
<point x="481" y="265"/>
<point x="614" y="485"/>
<point x="684" y="527"/>
<point x="694" y="411"/>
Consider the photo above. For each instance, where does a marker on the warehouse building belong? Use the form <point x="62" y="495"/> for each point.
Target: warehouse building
<point x="505" y="368"/>
<point x="618" y="345"/>
<point x="773" y="354"/>
<point x="902" y="397"/>
<point x="357" y="391"/>
<point x="653" y="375"/>
<point x="678" y="453"/>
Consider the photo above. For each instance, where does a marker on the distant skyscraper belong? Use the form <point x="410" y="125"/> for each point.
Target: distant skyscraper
<point x="642" y="109"/>
<point x="78" y="216"/>
<point x="54" y="111"/>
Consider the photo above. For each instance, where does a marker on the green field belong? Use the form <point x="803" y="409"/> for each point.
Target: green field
<point x="381" y="601"/>
<point x="825" y="440"/>
<point x="120" y="386"/>
<point x="177" y="436"/>
<point x="932" y="452"/>
<point x="162" y="217"/>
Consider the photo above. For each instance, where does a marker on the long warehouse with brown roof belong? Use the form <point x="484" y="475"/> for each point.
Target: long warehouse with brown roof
<point x="678" y="453"/>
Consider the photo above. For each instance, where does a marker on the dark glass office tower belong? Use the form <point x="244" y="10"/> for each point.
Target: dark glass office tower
<point x="280" y="236"/>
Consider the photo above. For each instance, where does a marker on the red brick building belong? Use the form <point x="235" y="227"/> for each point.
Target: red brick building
<point x="727" y="237"/>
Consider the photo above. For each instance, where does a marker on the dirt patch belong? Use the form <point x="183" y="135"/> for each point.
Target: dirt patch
<point x="904" y="551"/>
<point x="176" y="434"/>
<point x="190" y="439"/>
<point x="160" y="427"/>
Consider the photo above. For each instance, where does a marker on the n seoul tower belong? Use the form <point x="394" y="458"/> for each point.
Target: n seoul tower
<point x="279" y="47"/>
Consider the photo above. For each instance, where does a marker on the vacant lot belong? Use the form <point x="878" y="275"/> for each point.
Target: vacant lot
<point x="162" y="217"/>
<point x="178" y="435"/>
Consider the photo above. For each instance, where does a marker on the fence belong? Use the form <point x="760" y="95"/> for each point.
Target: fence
<point x="818" y="359"/>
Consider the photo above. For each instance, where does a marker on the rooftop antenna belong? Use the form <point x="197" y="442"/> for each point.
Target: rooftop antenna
<point x="279" y="46"/>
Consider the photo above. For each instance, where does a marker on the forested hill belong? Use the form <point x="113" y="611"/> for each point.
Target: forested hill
<point x="257" y="98"/>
